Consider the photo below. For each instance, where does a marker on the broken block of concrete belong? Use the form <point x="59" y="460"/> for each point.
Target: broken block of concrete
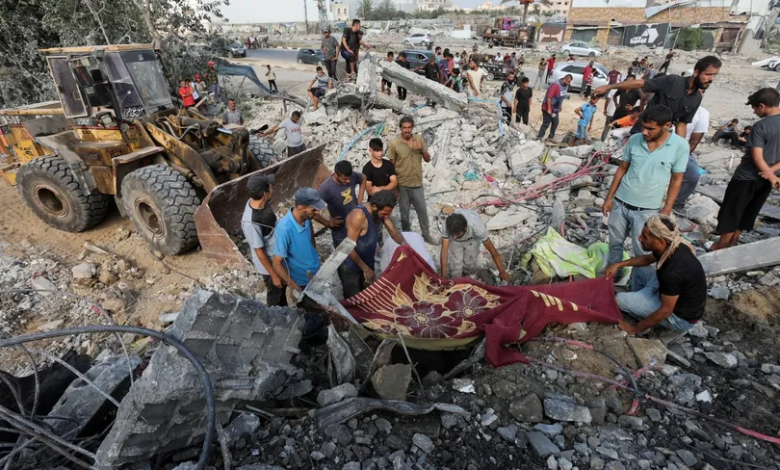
<point x="243" y="426"/>
<point x="565" y="165"/>
<point x="245" y="347"/>
<point x="742" y="257"/>
<point x="523" y="155"/>
<point x="81" y="402"/>
<point x="392" y="381"/>
<point x="647" y="350"/>
<point x="420" y="85"/>
<point x="508" y="219"/>
<point x="336" y="394"/>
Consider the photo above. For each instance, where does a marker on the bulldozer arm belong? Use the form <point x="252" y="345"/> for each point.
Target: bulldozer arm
<point x="218" y="219"/>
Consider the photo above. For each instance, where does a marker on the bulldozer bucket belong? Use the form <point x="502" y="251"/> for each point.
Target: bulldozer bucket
<point x="218" y="219"/>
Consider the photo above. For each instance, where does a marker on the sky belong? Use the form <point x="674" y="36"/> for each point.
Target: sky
<point x="273" y="11"/>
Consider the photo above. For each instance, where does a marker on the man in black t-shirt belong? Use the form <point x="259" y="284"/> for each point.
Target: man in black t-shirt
<point x="379" y="172"/>
<point x="625" y="100"/>
<point x="673" y="294"/>
<point x="403" y="63"/>
<point x="680" y="94"/>
<point x="350" y="46"/>
<point x="522" y="103"/>
<point x="756" y="175"/>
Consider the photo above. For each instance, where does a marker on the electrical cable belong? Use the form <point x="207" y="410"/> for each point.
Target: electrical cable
<point x="165" y="338"/>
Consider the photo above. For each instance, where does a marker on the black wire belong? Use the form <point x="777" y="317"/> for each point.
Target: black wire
<point x="165" y="338"/>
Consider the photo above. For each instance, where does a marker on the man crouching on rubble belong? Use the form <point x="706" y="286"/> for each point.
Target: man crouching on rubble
<point x="674" y="293"/>
<point x="363" y="228"/>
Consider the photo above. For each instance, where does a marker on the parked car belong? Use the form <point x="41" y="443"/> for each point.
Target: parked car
<point x="580" y="48"/>
<point x="575" y="69"/>
<point x="417" y="58"/>
<point x="495" y="71"/>
<point x="418" y="40"/>
<point x="235" y="49"/>
<point x="310" y="56"/>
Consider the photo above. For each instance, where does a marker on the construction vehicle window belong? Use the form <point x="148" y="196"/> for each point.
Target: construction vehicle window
<point x="148" y="78"/>
<point x="129" y="100"/>
<point x="71" y="96"/>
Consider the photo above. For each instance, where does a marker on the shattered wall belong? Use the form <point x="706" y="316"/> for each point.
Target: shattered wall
<point x="245" y="347"/>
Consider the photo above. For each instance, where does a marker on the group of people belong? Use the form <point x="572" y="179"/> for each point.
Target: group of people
<point x="192" y="90"/>
<point x="254" y="42"/>
<point x="359" y="205"/>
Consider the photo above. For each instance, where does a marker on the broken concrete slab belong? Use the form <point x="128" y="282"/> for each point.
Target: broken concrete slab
<point x="243" y="426"/>
<point x="336" y="394"/>
<point x="420" y="85"/>
<point x="565" y="165"/>
<point x="348" y="95"/>
<point x="508" y="219"/>
<point x="714" y="159"/>
<point x="647" y="350"/>
<point x="717" y="193"/>
<point x="245" y="347"/>
<point x="742" y="257"/>
<point x="524" y="154"/>
<point x="392" y="381"/>
<point x="40" y="283"/>
<point x="81" y="402"/>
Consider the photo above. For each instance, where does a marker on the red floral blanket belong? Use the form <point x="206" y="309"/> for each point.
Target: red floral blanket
<point x="411" y="299"/>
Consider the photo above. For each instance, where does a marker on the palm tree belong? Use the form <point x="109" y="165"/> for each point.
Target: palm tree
<point x="365" y="7"/>
<point x="525" y="4"/>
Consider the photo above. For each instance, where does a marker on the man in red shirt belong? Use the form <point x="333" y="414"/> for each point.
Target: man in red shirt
<point x="551" y="106"/>
<point x="550" y="67"/>
<point x="587" y="79"/>
<point x="614" y="76"/>
<point x="185" y="92"/>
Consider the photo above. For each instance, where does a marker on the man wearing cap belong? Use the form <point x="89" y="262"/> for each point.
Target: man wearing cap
<point x="330" y="52"/>
<point x="259" y="224"/>
<point x="212" y="80"/>
<point x="296" y="259"/>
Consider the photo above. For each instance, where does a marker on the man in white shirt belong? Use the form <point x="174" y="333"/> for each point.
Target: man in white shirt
<point x="475" y="76"/>
<point x="694" y="133"/>
<point x="609" y="112"/>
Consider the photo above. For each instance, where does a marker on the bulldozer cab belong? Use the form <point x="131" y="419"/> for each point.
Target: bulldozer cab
<point x="126" y="79"/>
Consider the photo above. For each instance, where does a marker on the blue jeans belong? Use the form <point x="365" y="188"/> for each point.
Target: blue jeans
<point x="582" y="131"/>
<point x="645" y="298"/>
<point x="214" y="89"/>
<point x="689" y="182"/>
<point x="623" y="221"/>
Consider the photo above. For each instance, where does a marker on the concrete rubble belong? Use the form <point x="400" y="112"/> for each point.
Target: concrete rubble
<point x="245" y="346"/>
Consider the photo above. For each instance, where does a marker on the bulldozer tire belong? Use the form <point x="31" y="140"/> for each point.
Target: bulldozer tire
<point x="53" y="193"/>
<point x="263" y="152"/>
<point x="162" y="203"/>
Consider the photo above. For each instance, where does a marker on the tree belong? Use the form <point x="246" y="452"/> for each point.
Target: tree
<point x="365" y="8"/>
<point x="38" y="24"/>
<point x="690" y="39"/>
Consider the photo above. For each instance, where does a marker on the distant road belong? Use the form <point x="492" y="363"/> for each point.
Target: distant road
<point x="281" y="55"/>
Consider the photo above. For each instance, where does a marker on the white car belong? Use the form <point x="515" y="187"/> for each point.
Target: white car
<point x="418" y="40"/>
<point x="580" y="48"/>
<point x="771" y="64"/>
<point x="575" y="70"/>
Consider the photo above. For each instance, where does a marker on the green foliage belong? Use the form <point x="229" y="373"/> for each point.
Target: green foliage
<point x="30" y="25"/>
<point x="690" y="39"/>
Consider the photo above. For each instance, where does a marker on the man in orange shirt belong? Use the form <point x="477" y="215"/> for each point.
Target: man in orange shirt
<point x="185" y="92"/>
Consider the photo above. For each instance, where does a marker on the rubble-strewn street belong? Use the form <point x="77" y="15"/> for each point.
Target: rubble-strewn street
<point x="192" y="369"/>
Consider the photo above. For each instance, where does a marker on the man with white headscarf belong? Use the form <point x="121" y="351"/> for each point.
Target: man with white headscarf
<point x="674" y="293"/>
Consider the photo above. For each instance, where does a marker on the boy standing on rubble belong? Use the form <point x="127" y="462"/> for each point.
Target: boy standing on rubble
<point x="385" y="82"/>
<point x="651" y="161"/>
<point x="258" y="224"/>
<point x="407" y="153"/>
<point x="350" y="47"/>
<point x="401" y="61"/>
<point x="464" y="232"/>
<point x="585" y="124"/>
<point x="756" y="175"/>
<point x="672" y="295"/>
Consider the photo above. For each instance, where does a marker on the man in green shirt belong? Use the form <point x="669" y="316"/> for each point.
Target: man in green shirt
<point x="407" y="152"/>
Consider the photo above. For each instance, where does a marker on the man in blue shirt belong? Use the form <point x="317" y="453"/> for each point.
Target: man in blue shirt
<point x="651" y="161"/>
<point x="586" y="112"/>
<point x="295" y="254"/>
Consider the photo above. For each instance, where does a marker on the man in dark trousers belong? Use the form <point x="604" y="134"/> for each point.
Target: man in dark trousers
<point x="626" y="100"/>
<point x="330" y="52"/>
<point x="664" y="68"/>
<point x="350" y="47"/>
<point x="756" y="175"/>
<point x="522" y="103"/>
<point x="338" y="192"/>
<point x="363" y="228"/>
<point x="551" y="106"/>
<point x="680" y="94"/>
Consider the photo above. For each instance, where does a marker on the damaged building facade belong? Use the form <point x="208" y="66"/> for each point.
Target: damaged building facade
<point x="727" y="24"/>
